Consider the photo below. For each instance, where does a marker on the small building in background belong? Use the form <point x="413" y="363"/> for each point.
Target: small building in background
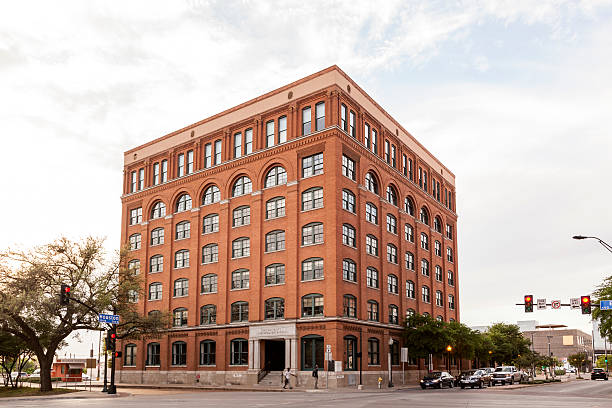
<point x="559" y="341"/>
<point x="68" y="369"/>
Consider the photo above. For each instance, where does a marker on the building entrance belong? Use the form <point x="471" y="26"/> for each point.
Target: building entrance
<point x="274" y="355"/>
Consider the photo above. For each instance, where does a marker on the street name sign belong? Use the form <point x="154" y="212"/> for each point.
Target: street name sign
<point x="575" y="303"/>
<point x="108" y="318"/>
<point x="555" y="304"/>
<point x="541" y="304"/>
<point x="605" y="305"/>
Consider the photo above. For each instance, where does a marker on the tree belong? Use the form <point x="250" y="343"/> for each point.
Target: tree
<point x="30" y="309"/>
<point x="483" y="349"/>
<point x="603" y="292"/>
<point x="529" y="360"/>
<point x="578" y="360"/>
<point x="424" y="335"/>
<point x="14" y="356"/>
<point x="508" y="342"/>
<point x="463" y="340"/>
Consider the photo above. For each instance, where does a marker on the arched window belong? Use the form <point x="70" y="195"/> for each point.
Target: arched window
<point x="209" y="283"/>
<point x="154" y="313"/>
<point x="392" y="286"/>
<point x="373" y="310"/>
<point x="370" y="183"/>
<point x="373" y="351"/>
<point x="371" y="213"/>
<point x="210" y="224"/>
<point x="350" y="353"/>
<point x="409" y="233"/>
<point x="275" y="207"/>
<point x="437" y="248"/>
<point x="241" y="247"/>
<point x="312" y="198"/>
<point x="239" y="352"/>
<point x="156" y="264"/>
<point x="410" y="289"/>
<point x="275" y="274"/>
<point x="425" y="267"/>
<point x="134" y="266"/>
<point x="242" y="186"/>
<point x="438" y="273"/>
<point x="211" y="195"/>
<point x="371" y="277"/>
<point x="439" y="298"/>
<point x="391" y="224"/>
<point x="451" y="302"/>
<point x="349" y="270"/>
<point x="439" y="318"/>
<point x="181" y="287"/>
<point x="135" y="242"/>
<point x="312" y="233"/>
<point x="393" y="315"/>
<point x="348" y="235"/>
<point x="312" y="305"/>
<point x="275" y="177"/>
<point x="179" y="353"/>
<point x="409" y="313"/>
<point x="371" y="245"/>
<point x="348" y="201"/>
<point x="451" y="279"/>
<point x="208" y="314"/>
<point x="392" y="195"/>
<point x="153" y="354"/>
<point x="129" y="359"/>
<point x="241" y="216"/>
<point x="437" y="224"/>
<point x="179" y="317"/>
<point x="158" y="211"/>
<point x="449" y="254"/>
<point x="240" y="312"/>
<point x="424" y="215"/>
<point x="312" y="268"/>
<point x="183" y="203"/>
<point x="409" y="261"/>
<point x="240" y="279"/>
<point x="350" y="306"/>
<point x="424" y="241"/>
<point x="275" y="241"/>
<point x="425" y="294"/>
<point x="391" y="253"/>
<point x="409" y="205"/>
<point x="274" y="308"/>
<point x="207" y="352"/>
<point x="183" y="230"/>
<point x="425" y="314"/>
<point x="157" y="236"/>
<point x="155" y="291"/>
<point x="210" y="253"/>
<point x="181" y="259"/>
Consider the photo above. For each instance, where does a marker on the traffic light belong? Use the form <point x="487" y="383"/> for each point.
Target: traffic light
<point x="528" y="303"/>
<point x="64" y="294"/>
<point x="586" y="304"/>
<point x="118" y="354"/>
<point x="111" y="340"/>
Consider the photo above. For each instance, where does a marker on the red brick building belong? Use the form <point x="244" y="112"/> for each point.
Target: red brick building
<point x="301" y="219"/>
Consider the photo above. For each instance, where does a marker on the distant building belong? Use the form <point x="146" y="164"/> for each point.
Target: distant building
<point x="68" y="369"/>
<point x="559" y="341"/>
<point x="527" y="325"/>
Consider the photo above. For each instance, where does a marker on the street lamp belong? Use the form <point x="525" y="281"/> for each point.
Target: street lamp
<point x="389" y="361"/>
<point x="449" y="348"/>
<point x="601" y="241"/>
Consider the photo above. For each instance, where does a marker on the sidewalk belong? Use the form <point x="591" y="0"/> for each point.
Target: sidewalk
<point x="72" y="395"/>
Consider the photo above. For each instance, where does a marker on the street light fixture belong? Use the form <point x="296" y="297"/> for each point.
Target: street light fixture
<point x="390" y="366"/>
<point x="601" y="241"/>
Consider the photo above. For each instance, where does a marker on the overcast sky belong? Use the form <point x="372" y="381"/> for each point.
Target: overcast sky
<point x="513" y="96"/>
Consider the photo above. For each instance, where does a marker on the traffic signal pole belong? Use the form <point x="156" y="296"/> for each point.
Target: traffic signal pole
<point x="105" y="388"/>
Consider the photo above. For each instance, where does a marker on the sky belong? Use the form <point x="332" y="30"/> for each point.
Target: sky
<point x="513" y="96"/>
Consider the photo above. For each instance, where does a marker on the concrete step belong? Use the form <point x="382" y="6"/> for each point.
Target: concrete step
<point x="272" y="379"/>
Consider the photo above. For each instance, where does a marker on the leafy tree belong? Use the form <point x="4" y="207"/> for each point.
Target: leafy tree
<point x="603" y="292"/>
<point x="529" y="361"/>
<point x="463" y="340"/>
<point x="30" y="282"/>
<point x="424" y="335"/>
<point x="579" y="360"/>
<point x="508" y="342"/>
<point x="483" y="349"/>
<point x="601" y="361"/>
<point x="14" y="356"/>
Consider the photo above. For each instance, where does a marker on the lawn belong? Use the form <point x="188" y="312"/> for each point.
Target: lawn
<point x="29" y="392"/>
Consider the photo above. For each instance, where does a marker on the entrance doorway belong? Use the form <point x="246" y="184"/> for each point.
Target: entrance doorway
<point x="274" y="355"/>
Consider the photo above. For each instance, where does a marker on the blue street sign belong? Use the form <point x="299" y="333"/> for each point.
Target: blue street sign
<point x="108" y="318"/>
<point x="605" y="304"/>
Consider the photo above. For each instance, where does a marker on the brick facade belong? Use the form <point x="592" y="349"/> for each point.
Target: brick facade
<point x="296" y="339"/>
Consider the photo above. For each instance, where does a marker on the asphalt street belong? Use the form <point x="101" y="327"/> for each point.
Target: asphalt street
<point x="572" y="394"/>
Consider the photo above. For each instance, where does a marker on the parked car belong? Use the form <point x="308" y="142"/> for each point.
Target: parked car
<point x="599" y="373"/>
<point x="571" y="370"/>
<point x="475" y="378"/>
<point x="35" y="374"/>
<point x="463" y="375"/>
<point x="506" y="375"/>
<point x="524" y="375"/>
<point x="21" y="377"/>
<point x="85" y="377"/>
<point x="437" y="379"/>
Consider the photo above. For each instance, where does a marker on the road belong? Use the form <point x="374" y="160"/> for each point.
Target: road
<point x="572" y="394"/>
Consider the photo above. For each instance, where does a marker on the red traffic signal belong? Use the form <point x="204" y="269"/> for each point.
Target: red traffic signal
<point x="528" y="303"/>
<point x="64" y="294"/>
<point x="585" y="302"/>
<point x="118" y="354"/>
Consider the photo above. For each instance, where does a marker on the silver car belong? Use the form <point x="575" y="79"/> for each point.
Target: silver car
<point x="506" y="375"/>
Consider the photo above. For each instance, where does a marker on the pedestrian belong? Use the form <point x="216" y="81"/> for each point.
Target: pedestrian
<point x="287" y="379"/>
<point x="315" y="375"/>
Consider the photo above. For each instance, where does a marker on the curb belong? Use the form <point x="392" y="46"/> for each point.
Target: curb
<point x="74" y="395"/>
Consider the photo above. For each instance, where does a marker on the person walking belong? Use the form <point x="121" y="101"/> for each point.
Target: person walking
<point x="287" y="379"/>
<point x="315" y="375"/>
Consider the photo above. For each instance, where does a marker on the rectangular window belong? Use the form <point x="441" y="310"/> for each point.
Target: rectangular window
<point x="366" y="135"/>
<point x="218" y="152"/>
<point x="133" y="183"/>
<point x="410" y="169"/>
<point x="348" y="167"/>
<point x="136" y="216"/>
<point x="189" y="162"/>
<point x="180" y="168"/>
<point x="348" y="201"/>
<point x="141" y="179"/>
<point x="393" y="158"/>
<point x="282" y="129"/>
<point x="320" y="116"/>
<point x="449" y="231"/>
<point x="372" y="278"/>
<point x="248" y="141"/>
<point x="312" y="165"/>
<point x="425" y="181"/>
<point x="405" y="164"/>
<point x="275" y="208"/>
<point x="155" y="174"/>
<point x="306" y="119"/>
<point x="270" y="133"/>
<point x="211" y="224"/>
<point x="237" y="145"/>
<point x="352" y="124"/>
<point x="164" y="171"/>
<point x="208" y="155"/>
<point x="420" y="177"/>
<point x="343" y="117"/>
<point x="374" y="142"/>
<point x="387" y="157"/>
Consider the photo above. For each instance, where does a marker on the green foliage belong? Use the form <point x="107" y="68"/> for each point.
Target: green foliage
<point x="528" y="360"/>
<point x="508" y="342"/>
<point x="601" y="361"/>
<point x="423" y="336"/>
<point x="603" y="292"/>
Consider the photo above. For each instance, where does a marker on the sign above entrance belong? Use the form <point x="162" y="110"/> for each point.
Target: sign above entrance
<point x="272" y="331"/>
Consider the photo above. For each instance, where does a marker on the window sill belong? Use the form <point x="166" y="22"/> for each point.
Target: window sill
<point x="275" y="218"/>
<point x="181" y="267"/>
<point x="238" y="289"/>
<point x="240" y="257"/>
<point x="349" y="281"/>
<point x="372" y="255"/>
<point x="273" y="284"/>
<point x="309" y="245"/>
<point x="208" y="263"/>
<point x="241" y="225"/>
<point x="207" y="365"/>
<point x="238" y="365"/>
<point x="349" y="246"/>
<point x="152" y="272"/>
<point x="210" y="232"/>
<point x="373" y="223"/>
<point x="155" y="245"/>
<point x="276" y="250"/>
<point x="153" y="300"/>
<point x="311" y="209"/>
<point x="153" y="366"/>
<point x="312" y="317"/>
<point x="129" y="365"/>
<point x="312" y="175"/>
<point x="372" y="287"/>
<point x="178" y="297"/>
<point x="349" y="211"/>
<point x="312" y="280"/>
<point x="209" y="293"/>
<point x="391" y="293"/>
<point x="181" y="239"/>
